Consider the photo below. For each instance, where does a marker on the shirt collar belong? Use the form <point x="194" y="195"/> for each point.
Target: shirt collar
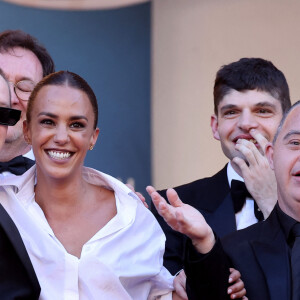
<point x="126" y="201"/>
<point x="232" y="174"/>
<point x="29" y="155"/>
<point x="286" y="223"/>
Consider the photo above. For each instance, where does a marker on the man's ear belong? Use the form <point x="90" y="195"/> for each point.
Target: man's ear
<point x="214" y="126"/>
<point x="269" y="152"/>
<point x="26" y="132"/>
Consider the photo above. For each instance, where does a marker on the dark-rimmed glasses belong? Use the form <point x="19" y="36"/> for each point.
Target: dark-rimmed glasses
<point x="23" y="88"/>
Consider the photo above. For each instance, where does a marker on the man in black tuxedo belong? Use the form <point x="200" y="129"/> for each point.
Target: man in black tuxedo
<point x="250" y="97"/>
<point x="17" y="277"/>
<point x="24" y="62"/>
<point x="267" y="254"/>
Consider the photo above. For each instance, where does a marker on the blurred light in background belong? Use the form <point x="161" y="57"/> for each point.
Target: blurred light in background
<point x="76" y="4"/>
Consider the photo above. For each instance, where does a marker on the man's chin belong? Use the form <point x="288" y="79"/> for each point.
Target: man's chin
<point x="241" y="156"/>
<point x="11" y="139"/>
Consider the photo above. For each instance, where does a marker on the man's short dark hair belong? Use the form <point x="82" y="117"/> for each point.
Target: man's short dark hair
<point x="251" y="74"/>
<point x="10" y="39"/>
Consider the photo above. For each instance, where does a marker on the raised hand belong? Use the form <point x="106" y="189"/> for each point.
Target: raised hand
<point x="184" y="218"/>
<point x="258" y="175"/>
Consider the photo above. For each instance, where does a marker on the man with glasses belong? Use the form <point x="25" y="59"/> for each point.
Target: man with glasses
<point x="24" y="62"/>
<point x="17" y="276"/>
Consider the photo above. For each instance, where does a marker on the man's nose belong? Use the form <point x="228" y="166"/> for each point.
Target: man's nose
<point x="247" y="121"/>
<point x="14" y="98"/>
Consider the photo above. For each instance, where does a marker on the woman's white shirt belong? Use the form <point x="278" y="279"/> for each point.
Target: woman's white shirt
<point x="123" y="260"/>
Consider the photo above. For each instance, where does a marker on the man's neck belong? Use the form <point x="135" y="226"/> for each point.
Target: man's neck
<point x="10" y="151"/>
<point x="236" y="168"/>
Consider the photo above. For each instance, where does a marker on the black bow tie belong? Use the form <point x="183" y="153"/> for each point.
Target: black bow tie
<point x="17" y="165"/>
<point x="239" y="193"/>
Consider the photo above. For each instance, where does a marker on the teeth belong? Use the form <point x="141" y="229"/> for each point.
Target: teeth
<point x="59" y="155"/>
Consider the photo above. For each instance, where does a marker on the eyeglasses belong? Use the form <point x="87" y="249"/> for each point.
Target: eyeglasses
<point x="23" y="88"/>
<point x="9" y="116"/>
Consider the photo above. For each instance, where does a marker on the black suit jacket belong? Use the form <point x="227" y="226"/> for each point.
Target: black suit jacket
<point x="17" y="277"/>
<point x="211" y="196"/>
<point x="259" y="252"/>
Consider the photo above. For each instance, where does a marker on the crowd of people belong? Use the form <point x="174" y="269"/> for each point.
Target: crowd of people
<point x="72" y="232"/>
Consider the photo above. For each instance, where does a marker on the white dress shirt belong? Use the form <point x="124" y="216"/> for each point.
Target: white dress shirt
<point x="29" y="155"/>
<point x="246" y="216"/>
<point x="123" y="260"/>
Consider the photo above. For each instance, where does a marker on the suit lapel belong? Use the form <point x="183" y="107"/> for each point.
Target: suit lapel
<point x="216" y="189"/>
<point x="14" y="237"/>
<point x="272" y="255"/>
<point x="222" y="220"/>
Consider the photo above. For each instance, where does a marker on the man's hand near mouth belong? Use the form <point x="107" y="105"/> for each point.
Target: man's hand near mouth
<point x="257" y="167"/>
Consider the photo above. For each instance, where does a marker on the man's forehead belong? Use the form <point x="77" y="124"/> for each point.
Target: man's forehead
<point x="249" y="98"/>
<point x="18" y="64"/>
<point x="292" y="121"/>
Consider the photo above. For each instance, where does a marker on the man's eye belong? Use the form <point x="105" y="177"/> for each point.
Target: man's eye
<point x="77" y="125"/>
<point x="295" y="143"/>
<point x="230" y="112"/>
<point x="264" y="111"/>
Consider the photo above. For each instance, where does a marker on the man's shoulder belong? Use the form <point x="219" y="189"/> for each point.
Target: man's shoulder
<point x="260" y="231"/>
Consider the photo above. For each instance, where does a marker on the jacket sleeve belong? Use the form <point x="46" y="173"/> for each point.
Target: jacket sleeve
<point x="207" y="275"/>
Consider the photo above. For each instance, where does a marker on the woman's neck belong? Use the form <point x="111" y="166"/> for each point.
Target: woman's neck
<point x="62" y="195"/>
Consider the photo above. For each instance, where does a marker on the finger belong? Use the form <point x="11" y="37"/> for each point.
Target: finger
<point x="179" y="285"/>
<point x="173" y="198"/>
<point x="249" y="150"/>
<point x="130" y="186"/>
<point x="234" y="275"/>
<point x="237" y="286"/>
<point x="142" y="198"/>
<point x="155" y="197"/>
<point x="180" y="290"/>
<point x="150" y="189"/>
<point x="239" y="294"/>
<point x="261" y="140"/>
<point x="165" y="210"/>
<point x="242" y="165"/>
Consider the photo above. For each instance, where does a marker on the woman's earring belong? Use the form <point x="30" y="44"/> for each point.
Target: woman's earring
<point x="91" y="147"/>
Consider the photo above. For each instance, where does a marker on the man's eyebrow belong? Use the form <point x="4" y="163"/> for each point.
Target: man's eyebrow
<point x="292" y="132"/>
<point x="228" y="106"/>
<point x="265" y="104"/>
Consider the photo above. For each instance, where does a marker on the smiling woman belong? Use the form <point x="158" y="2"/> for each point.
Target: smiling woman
<point x="83" y="229"/>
